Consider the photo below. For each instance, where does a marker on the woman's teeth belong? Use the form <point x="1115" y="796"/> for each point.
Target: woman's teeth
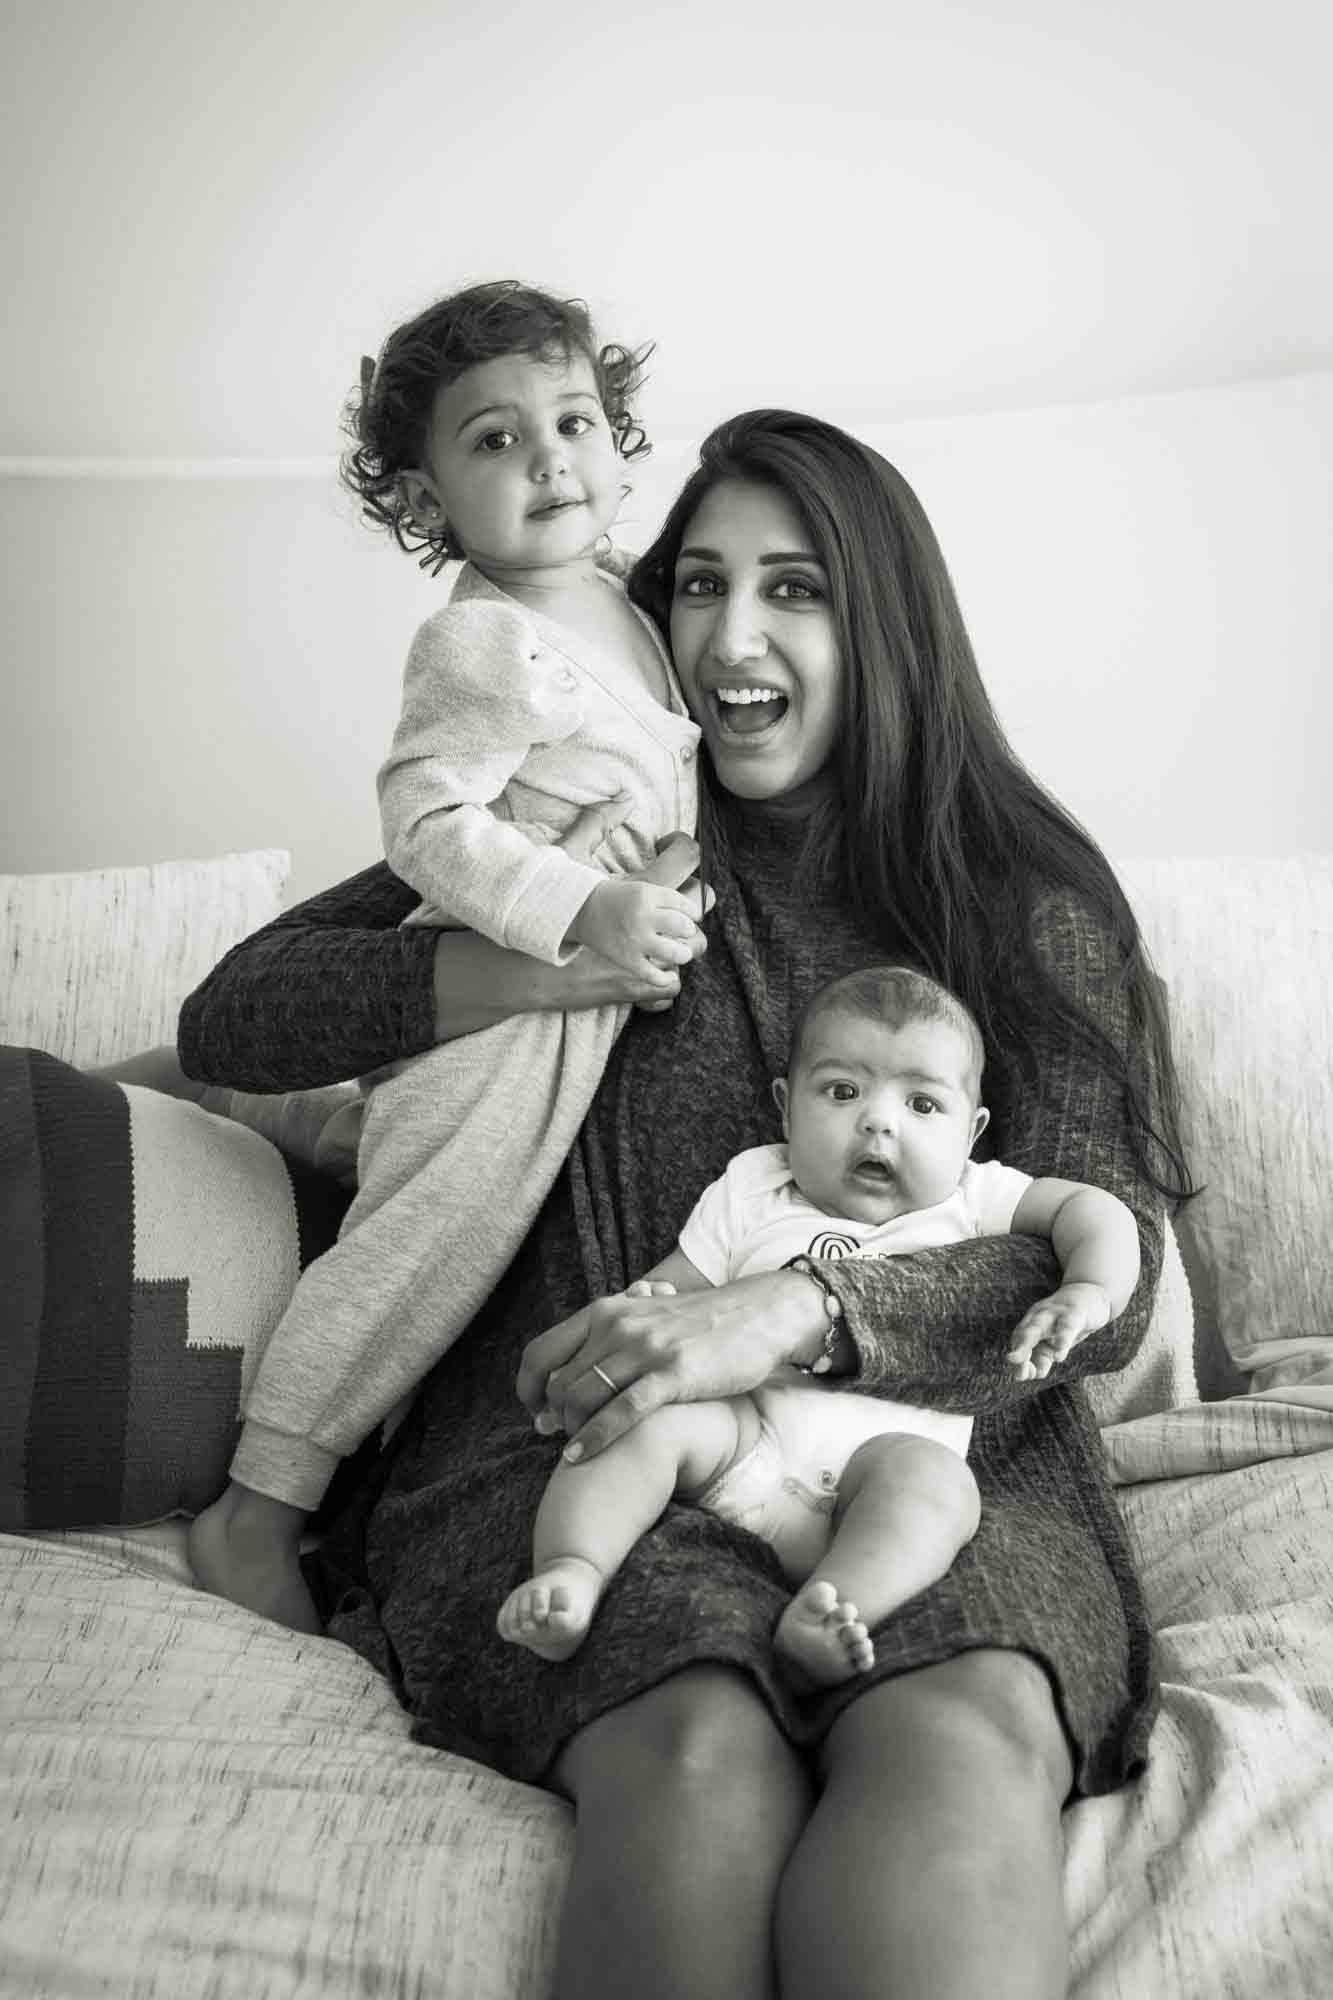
<point x="749" y="711"/>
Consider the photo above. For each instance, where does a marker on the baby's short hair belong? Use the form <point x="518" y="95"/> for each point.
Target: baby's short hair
<point x="388" y="417"/>
<point x="895" y="995"/>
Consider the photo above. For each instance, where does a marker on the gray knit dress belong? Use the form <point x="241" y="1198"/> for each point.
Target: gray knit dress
<point x="413" y="1572"/>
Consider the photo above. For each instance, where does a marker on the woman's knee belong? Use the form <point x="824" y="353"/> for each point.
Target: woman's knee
<point x="991" y="1711"/>
<point x="704" y="1728"/>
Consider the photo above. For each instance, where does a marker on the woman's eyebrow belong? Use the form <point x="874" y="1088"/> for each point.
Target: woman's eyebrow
<point x="778" y="556"/>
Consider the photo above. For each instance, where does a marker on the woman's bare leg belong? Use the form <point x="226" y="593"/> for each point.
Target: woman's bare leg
<point x="932" y="1863"/>
<point x="689" y="1801"/>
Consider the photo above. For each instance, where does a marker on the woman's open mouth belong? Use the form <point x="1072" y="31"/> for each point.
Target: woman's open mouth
<point x="748" y="711"/>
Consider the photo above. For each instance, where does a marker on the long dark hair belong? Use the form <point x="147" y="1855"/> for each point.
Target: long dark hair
<point x="935" y="821"/>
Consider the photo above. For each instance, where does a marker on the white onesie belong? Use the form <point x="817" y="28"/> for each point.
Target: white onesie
<point x="755" y="1218"/>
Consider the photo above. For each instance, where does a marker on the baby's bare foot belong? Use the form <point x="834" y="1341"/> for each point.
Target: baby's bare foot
<point x="247" y="1547"/>
<point x="551" y="1612"/>
<point x="821" y="1638"/>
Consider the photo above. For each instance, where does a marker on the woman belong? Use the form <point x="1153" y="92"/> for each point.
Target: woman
<point x="900" y="1834"/>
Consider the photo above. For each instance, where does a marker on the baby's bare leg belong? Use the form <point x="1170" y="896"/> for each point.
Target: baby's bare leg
<point x="592" y="1513"/>
<point x="906" y="1505"/>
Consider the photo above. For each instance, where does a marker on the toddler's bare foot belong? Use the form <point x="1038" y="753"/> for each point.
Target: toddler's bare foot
<point x="551" y="1612"/>
<point x="821" y="1638"/>
<point x="247" y="1547"/>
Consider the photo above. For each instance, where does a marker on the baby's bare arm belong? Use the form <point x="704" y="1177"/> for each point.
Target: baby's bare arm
<point x="1096" y="1239"/>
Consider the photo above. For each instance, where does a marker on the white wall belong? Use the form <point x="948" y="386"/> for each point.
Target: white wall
<point x="211" y="662"/>
<point x="876" y="211"/>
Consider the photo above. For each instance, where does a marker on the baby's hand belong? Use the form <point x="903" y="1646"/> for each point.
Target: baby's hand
<point x="1049" y="1330"/>
<point x="639" y="926"/>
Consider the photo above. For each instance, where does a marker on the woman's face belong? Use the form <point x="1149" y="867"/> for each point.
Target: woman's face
<point x="753" y="639"/>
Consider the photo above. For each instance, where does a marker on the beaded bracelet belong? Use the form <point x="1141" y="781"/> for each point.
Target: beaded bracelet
<point x="832" y="1307"/>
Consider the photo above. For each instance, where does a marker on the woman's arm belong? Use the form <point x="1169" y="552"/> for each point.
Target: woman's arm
<point x="335" y="987"/>
<point x="935" y="1327"/>
<point x="328" y="990"/>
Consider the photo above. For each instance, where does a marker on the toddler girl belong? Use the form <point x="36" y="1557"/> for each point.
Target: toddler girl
<point x="865" y="1501"/>
<point x="493" y="429"/>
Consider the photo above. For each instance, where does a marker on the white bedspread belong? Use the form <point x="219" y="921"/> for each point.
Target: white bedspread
<point x="195" y="1805"/>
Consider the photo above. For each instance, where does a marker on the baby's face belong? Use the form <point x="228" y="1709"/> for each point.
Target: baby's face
<point x="879" y="1121"/>
<point x="521" y="463"/>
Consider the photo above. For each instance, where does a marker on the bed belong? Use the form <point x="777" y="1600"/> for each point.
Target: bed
<point x="197" y="1803"/>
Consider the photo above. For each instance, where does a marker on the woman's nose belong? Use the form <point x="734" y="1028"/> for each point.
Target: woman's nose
<point x="738" y="634"/>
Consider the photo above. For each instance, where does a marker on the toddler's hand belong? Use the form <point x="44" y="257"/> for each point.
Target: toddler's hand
<point x="639" y="926"/>
<point x="1049" y="1330"/>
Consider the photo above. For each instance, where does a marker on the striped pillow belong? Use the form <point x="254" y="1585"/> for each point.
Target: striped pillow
<point x="147" y="1249"/>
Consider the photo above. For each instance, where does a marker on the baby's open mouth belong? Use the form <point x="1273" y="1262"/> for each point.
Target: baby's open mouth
<point x="748" y="711"/>
<point x="878" y="1172"/>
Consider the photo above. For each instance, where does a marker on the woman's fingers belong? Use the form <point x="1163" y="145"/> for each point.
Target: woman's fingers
<point x="545" y="1354"/>
<point x="617" y="1415"/>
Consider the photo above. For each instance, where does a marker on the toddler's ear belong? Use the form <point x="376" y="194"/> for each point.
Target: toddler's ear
<point x="980" y="1121"/>
<point x="422" y="501"/>
<point x="780" y="1099"/>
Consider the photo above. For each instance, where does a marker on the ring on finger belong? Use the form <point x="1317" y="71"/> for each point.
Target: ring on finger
<point x="599" y="1371"/>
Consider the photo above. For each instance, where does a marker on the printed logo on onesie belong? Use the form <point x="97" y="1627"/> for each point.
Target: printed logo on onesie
<point x="829" y="1244"/>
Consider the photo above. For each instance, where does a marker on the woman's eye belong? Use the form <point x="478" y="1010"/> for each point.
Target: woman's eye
<point x="493" y="441"/>
<point x="698" y="585"/>
<point x="797" y="589"/>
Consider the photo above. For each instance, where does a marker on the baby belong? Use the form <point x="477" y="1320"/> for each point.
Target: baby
<point x="493" y="430"/>
<point x="865" y="1501"/>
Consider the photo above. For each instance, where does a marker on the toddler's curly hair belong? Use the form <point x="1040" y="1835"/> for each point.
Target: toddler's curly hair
<point x="388" y="417"/>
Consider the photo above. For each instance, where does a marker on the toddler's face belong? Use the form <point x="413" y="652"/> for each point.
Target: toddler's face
<point x="521" y="463"/>
<point x="879" y="1120"/>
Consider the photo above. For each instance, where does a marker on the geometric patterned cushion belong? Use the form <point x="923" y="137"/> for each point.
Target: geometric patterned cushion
<point x="147" y="1249"/>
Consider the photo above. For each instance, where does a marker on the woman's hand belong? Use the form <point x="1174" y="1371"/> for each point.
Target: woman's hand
<point x="479" y="983"/>
<point x="606" y="1368"/>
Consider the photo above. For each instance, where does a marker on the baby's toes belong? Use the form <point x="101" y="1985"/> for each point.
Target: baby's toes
<point x="858" y="1646"/>
<point x="820" y="1600"/>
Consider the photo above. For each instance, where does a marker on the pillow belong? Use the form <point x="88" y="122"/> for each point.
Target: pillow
<point x="147" y="1249"/>
<point x="1246" y="952"/>
<point x="1161" y="1376"/>
<point x="97" y="964"/>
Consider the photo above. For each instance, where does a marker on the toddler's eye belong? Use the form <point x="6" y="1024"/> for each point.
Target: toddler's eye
<point x="495" y="441"/>
<point x="575" y="424"/>
<point x="923" y="1105"/>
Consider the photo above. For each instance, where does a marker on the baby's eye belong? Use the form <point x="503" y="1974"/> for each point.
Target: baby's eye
<point x="700" y="584"/>
<point x="922" y="1104"/>
<point x="842" y="1093"/>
